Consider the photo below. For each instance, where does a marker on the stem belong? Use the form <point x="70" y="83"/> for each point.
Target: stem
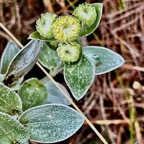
<point x="49" y="76"/>
<point x="132" y="117"/>
<point x="71" y="4"/>
<point x="131" y="109"/>
<point x="11" y="35"/>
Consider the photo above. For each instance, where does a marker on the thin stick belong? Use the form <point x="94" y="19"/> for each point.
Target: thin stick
<point x="130" y="67"/>
<point x="11" y="35"/>
<point x="109" y="122"/>
<point x="49" y="76"/>
<point x="138" y="132"/>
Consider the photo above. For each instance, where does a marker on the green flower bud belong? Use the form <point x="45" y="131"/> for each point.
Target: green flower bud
<point x="66" y="28"/>
<point x="86" y="13"/>
<point x="69" y="52"/>
<point x="44" y="25"/>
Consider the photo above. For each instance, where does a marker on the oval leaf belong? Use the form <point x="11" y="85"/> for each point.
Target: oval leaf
<point x="54" y="94"/>
<point x="51" y="123"/>
<point x="12" y="131"/>
<point x="23" y="61"/>
<point x="92" y="28"/>
<point x="10" y="51"/>
<point x="79" y="77"/>
<point x="10" y="101"/>
<point x="105" y="59"/>
<point x="32" y="93"/>
<point x="49" y="59"/>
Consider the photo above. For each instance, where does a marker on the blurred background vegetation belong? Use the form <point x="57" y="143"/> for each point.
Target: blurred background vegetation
<point x="115" y="101"/>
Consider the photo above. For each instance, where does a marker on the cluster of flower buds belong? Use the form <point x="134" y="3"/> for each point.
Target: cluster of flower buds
<point x="64" y="31"/>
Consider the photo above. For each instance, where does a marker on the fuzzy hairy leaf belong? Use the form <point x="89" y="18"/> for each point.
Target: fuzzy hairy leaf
<point x="10" y="101"/>
<point x="104" y="59"/>
<point x="79" y="76"/>
<point x="32" y="93"/>
<point x="9" y="52"/>
<point x="51" y="123"/>
<point x="87" y="31"/>
<point x="12" y="131"/>
<point x="49" y="59"/>
<point x="54" y="94"/>
<point x="2" y="76"/>
<point x="23" y="62"/>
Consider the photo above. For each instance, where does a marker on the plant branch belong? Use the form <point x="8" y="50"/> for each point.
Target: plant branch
<point x="49" y="76"/>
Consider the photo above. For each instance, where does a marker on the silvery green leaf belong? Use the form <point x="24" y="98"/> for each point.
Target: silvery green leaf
<point x="9" y="52"/>
<point x="23" y="62"/>
<point x="12" y="131"/>
<point x="10" y="101"/>
<point x="45" y="80"/>
<point x="92" y="28"/>
<point x="2" y="76"/>
<point x="36" y="36"/>
<point x="104" y="59"/>
<point x="49" y="59"/>
<point x="79" y="77"/>
<point x="51" y="123"/>
<point x="54" y="94"/>
<point x="32" y="93"/>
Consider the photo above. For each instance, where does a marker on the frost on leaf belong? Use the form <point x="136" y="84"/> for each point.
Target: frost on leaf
<point x="79" y="76"/>
<point x="10" y="101"/>
<point x="12" y="131"/>
<point x="51" y="123"/>
<point x="104" y="59"/>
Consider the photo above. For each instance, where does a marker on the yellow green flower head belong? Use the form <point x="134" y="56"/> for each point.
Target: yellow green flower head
<point x="69" y="52"/>
<point x="86" y="13"/>
<point x="66" y="28"/>
<point x="44" y="25"/>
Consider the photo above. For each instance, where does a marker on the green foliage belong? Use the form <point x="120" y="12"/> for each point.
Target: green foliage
<point x="32" y="93"/>
<point x="23" y="61"/>
<point x="51" y="123"/>
<point x="36" y="36"/>
<point x="48" y="58"/>
<point x="10" y="101"/>
<point x="79" y="76"/>
<point x="57" y="46"/>
<point x="12" y="131"/>
<point x="54" y="94"/>
<point x="9" y="52"/>
<point x="104" y="59"/>
<point x="2" y="76"/>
